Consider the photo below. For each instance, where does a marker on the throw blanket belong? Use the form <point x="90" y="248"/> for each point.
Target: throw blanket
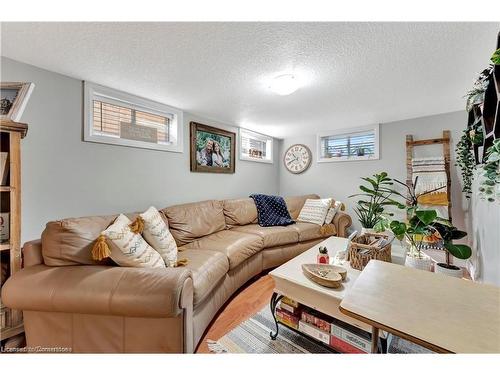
<point x="271" y="210"/>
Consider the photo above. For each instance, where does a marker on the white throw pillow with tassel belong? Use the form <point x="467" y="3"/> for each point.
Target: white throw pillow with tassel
<point x="156" y="232"/>
<point x="125" y="247"/>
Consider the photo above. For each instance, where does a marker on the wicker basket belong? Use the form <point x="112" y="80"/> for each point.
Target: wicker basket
<point x="362" y="249"/>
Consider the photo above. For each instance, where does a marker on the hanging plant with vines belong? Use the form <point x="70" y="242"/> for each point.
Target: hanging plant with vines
<point x="489" y="186"/>
<point x="466" y="162"/>
<point x="476" y="95"/>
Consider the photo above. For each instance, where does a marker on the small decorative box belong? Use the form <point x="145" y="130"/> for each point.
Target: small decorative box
<point x="323" y="257"/>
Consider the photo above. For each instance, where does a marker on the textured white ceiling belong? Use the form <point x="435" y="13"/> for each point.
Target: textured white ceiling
<point x="353" y="73"/>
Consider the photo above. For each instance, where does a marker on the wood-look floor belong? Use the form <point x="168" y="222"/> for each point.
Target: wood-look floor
<point x="245" y="303"/>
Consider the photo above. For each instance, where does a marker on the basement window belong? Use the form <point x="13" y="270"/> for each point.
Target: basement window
<point x="118" y="118"/>
<point x="349" y="145"/>
<point x="255" y="147"/>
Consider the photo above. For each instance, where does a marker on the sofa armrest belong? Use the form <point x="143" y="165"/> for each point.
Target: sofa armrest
<point x="342" y="221"/>
<point x="32" y="253"/>
<point x="123" y="291"/>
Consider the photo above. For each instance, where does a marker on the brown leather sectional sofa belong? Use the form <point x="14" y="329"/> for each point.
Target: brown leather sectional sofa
<point x="72" y="301"/>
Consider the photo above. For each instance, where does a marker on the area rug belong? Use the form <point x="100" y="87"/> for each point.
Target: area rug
<point x="252" y="336"/>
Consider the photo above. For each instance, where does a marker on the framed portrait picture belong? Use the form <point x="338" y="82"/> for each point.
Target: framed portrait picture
<point x="212" y="149"/>
<point x="13" y="99"/>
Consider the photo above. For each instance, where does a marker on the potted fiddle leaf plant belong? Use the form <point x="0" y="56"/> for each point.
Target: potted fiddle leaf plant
<point x="449" y="233"/>
<point x="427" y="223"/>
<point x="424" y="223"/>
<point x="375" y="197"/>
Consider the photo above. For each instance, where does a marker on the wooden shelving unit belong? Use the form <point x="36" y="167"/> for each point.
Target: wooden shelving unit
<point x="445" y="142"/>
<point x="487" y="114"/>
<point x="11" y="134"/>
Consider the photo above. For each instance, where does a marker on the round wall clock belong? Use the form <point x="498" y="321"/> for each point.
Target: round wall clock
<point x="297" y="158"/>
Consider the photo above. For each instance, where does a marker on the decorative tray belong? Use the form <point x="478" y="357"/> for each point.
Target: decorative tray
<point x="325" y="274"/>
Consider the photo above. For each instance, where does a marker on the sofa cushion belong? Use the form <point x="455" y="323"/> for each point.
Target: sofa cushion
<point x="237" y="246"/>
<point x="69" y="242"/>
<point x="240" y="212"/>
<point x="309" y="231"/>
<point x="188" y="222"/>
<point x="208" y="268"/>
<point x="295" y="204"/>
<point x="272" y="236"/>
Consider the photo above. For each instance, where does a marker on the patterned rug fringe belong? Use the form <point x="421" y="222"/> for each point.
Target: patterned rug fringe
<point x="216" y="347"/>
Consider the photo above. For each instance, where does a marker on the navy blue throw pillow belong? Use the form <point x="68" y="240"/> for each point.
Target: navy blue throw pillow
<point x="271" y="210"/>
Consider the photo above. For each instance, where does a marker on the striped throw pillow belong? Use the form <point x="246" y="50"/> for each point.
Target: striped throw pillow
<point x="129" y="249"/>
<point x="332" y="212"/>
<point x="156" y="233"/>
<point x="315" y="210"/>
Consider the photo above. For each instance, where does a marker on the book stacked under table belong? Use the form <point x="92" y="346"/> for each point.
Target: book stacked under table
<point x="332" y="332"/>
<point x="336" y="334"/>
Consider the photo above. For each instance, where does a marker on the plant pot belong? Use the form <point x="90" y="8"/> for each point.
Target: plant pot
<point x="422" y="262"/>
<point x="366" y="230"/>
<point x="448" y="269"/>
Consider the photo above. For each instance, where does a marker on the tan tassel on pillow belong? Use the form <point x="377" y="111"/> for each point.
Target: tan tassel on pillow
<point x="181" y="263"/>
<point x="100" y="250"/>
<point x="137" y="226"/>
<point x="328" y="230"/>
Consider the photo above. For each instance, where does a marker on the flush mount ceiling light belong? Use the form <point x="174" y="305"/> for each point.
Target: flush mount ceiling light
<point x="284" y="84"/>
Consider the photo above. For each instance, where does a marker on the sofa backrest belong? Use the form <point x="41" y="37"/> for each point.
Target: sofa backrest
<point x="240" y="212"/>
<point x="69" y="242"/>
<point x="190" y="221"/>
<point x="296" y="203"/>
<point x="243" y="211"/>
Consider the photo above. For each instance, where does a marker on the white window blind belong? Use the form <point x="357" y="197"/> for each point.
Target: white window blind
<point x="123" y="119"/>
<point x="108" y="119"/>
<point x="354" y="145"/>
<point x="255" y="146"/>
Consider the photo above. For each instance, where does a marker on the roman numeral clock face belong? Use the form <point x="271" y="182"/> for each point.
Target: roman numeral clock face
<point x="297" y="158"/>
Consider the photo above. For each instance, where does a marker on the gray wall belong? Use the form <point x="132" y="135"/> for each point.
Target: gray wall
<point x="484" y="221"/>
<point x="63" y="176"/>
<point x="341" y="179"/>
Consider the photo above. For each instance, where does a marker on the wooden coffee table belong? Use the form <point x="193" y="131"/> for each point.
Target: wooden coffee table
<point x="442" y="313"/>
<point x="291" y="282"/>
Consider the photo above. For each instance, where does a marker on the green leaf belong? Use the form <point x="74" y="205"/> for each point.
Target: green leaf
<point x="443" y="230"/>
<point x="493" y="157"/>
<point x="444" y="222"/>
<point x="379" y="227"/>
<point x="495" y="58"/>
<point x="368" y="179"/>
<point x="398" y="228"/>
<point x="457" y="234"/>
<point x="366" y="190"/>
<point x="458" y="251"/>
<point x="426" y="216"/>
